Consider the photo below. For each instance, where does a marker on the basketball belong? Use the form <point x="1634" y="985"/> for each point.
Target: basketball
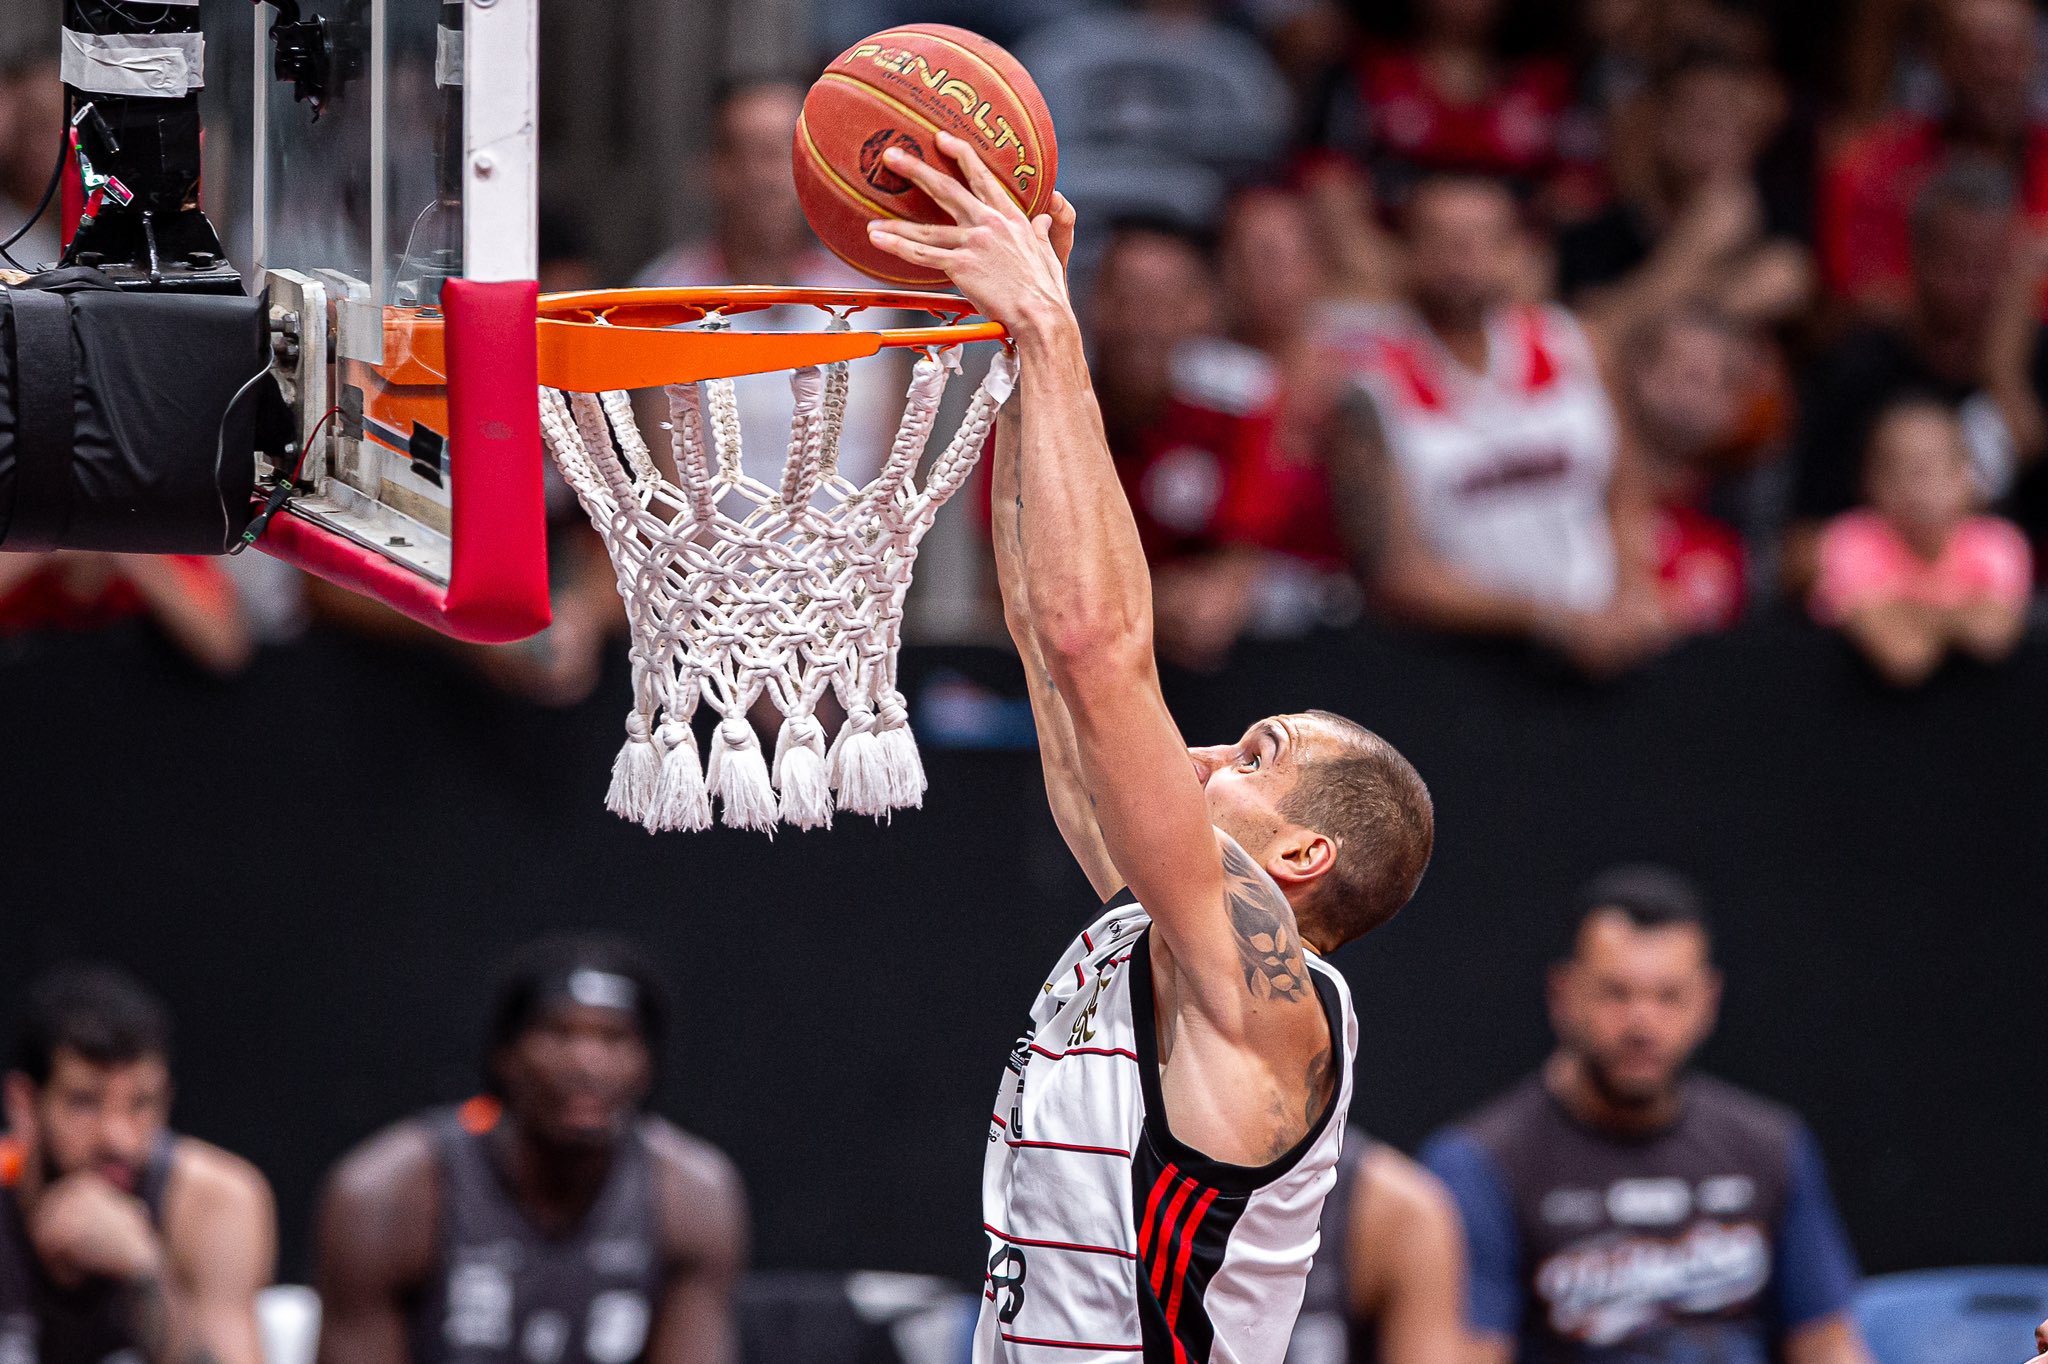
<point x="902" y="87"/>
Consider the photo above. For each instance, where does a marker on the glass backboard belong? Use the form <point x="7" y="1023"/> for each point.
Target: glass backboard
<point x="401" y="161"/>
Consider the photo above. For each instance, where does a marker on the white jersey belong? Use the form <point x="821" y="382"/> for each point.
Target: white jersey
<point x="1108" y="1239"/>
<point x="1508" y="471"/>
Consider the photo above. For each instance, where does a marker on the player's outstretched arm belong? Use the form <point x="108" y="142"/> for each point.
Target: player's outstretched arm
<point x="1089" y="605"/>
<point x="1058" y="750"/>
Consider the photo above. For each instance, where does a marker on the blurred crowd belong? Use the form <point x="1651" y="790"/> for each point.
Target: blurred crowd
<point x="1593" y="326"/>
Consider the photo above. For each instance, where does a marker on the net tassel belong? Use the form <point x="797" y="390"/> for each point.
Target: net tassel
<point x="680" y="798"/>
<point x="859" y="766"/>
<point x="902" y="769"/>
<point x="635" y="773"/>
<point x="739" y="777"/>
<point x="800" y="773"/>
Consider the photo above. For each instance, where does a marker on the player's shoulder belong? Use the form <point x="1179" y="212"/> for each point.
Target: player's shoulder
<point x="1397" y="1190"/>
<point x="210" y="1172"/>
<point x="685" y="1155"/>
<point x="211" y="1188"/>
<point x="1743" y="1115"/>
<point x="395" y="1167"/>
<point x="699" y="1195"/>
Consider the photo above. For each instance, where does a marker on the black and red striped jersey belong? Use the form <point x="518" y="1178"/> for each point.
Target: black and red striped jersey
<point x="1108" y="1239"/>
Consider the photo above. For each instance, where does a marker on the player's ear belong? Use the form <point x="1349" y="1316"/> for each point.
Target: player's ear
<point x="1300" y="856"/>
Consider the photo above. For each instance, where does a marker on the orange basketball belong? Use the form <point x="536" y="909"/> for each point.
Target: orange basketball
<point x="902" y="88"/>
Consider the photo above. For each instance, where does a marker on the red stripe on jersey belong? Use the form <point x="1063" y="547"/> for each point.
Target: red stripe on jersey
<point x="1084" y="1150"/>
<point x="1166" y="1177"/>
<point x="1163" y="1247"/>
<point x="998" y="1121"/>
<point x="1070" y="1344"/>
<point x="1056" y="1245"/>
<point x="1084" y="1051"/>
<point x="1187" y="1248"/>
<point x="1086" y="941"/>
<point x="1078" y="974"/>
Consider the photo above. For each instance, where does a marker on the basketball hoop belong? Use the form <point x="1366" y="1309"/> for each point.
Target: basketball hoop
<point x="737" y="590"/>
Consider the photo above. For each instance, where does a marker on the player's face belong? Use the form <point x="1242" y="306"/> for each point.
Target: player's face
<point x="1464" y="249"/>
<point x="576" y="1076"/>
<point x="90" y="1117"/>
<point x="1634" y="1004"/>
<point x="1244" y="783"/>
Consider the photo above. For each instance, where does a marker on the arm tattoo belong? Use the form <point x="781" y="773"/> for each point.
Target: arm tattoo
<point x="1268" y="943"/>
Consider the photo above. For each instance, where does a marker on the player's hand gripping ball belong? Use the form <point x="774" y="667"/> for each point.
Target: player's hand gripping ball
<point x="900" y="89"/>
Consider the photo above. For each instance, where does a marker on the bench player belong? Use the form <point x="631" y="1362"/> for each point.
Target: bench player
<point x="1170" y="1122"/>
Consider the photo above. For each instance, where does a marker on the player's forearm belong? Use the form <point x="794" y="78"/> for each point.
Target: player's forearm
<point x="1072" y="809"/>
<point x="1083" y="568"/>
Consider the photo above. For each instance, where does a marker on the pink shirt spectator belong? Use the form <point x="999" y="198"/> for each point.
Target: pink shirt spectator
<point x="1863" y="561"/>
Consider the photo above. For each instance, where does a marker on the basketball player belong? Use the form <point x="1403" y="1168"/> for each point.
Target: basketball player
<point x="119" y="1239"/>
<point x="1387" y="1285"/>
<point x="1170" y="1121"/>
<point x="552" y="1222"/>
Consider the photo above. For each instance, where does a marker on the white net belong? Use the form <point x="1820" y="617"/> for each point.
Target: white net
<point x="738" y="592"/>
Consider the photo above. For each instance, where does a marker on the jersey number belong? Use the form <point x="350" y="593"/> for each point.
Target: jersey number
<point x="1006" y="1281"/>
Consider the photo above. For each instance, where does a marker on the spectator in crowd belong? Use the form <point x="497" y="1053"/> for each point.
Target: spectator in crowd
<point x="119" y="1239"/>
<point x="31" y="125"/>
<point x="1449" y="99"/>
<point x="1482" y="482"/>
<point x="1970" y="335"/>
<point x="550" y="1219"/>
<point x="189" y="598"/>
<point x="1618" y="1205"/>
<point x="1187" y="419"/>
<point x="1918" y="574"/>
<point x="1682" y="395"/>
<point x="1388" y="1281"/>
<point x="758" y="236"/>
<point x="1695" y="225"/>
<point x="1988" y="56"/>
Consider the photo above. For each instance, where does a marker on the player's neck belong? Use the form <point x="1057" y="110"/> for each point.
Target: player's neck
<point x="1571" y="1082"/>
<point x="555" y="1185"/>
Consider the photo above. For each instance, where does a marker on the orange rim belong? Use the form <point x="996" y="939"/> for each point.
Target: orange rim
<point x="596" y="340"/>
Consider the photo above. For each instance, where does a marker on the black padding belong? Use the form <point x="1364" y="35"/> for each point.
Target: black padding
<point x="45" y="377"/>
<point x="121" y="428"/>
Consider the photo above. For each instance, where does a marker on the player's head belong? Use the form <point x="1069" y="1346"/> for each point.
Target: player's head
<point x="1465" y="247"/>
<point x="1333" y="812"/>
<point x="1638" y="993"/>
<point x="575" y="1035"/>
<point x="753" y="185"/>
<point x="89" y="1086"/>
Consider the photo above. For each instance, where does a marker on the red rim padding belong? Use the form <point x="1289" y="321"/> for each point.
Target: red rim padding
<point x="498" y="584"/>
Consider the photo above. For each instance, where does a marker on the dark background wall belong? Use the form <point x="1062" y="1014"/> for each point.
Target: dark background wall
<point x="320" y="863"/>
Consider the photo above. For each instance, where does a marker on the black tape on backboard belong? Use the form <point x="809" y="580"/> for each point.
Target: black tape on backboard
<point x="127" y="420"/>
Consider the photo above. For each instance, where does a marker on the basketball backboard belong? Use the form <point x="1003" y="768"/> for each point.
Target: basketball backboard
<point x="394" y="206"/>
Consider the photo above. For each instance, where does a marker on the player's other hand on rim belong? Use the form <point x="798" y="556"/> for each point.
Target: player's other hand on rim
<point x="1012" y="268"/>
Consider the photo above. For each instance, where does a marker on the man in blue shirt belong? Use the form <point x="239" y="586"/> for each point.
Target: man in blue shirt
<point x="1621" y="1209"/>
